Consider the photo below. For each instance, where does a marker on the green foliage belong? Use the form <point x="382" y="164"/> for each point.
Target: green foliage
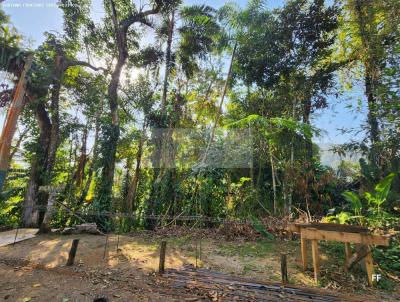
<point x="373" y="215"/>
<point x="260" y="248"/>
<point x="354" y="201"/>
<point x="259" y="227"/>
<point x="389" y="257"/>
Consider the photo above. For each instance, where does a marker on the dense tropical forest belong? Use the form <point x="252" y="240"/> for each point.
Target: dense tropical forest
<point x="160" y="111"/>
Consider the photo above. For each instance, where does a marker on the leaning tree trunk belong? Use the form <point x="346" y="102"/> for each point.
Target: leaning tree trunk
<point x="10" y="123"/>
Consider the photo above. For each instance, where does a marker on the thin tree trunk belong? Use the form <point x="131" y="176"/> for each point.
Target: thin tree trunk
<point x="168" y="62"/>
<point x="290" y="195"/>
<point x="306" y="120"/>
<point x="93" y="162"/>
<point x="111" y="136"/>
<point x="131" y="197"/>
<point x="80" y="171"/>
<point x="219" y="111"/>
<point x="273" y="179"/>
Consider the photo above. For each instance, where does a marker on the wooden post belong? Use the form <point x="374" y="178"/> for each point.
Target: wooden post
<point x="304" y="252"/>
<point x="369" y="265"/>
<point x="196" y="253"/>
<point x="347" y="251"/>
<point x="163" y="248"/>
<point x="315" y="256"/>
<point x="284" y="272"/>
<point x="105" y="247"/>
<point x="10" y="122"/>
<point x="16" y="235"/>
<point x="200" y="250"/>
<point x="72" y="252"/>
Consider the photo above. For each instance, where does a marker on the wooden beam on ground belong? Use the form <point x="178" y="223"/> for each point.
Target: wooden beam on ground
<point x="315" y="256"/>
<point x="72" y="252"/>
<point x="361" y="238"/>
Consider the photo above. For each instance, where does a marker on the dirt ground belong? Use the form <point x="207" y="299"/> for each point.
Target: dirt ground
<point x="34" y="270"/>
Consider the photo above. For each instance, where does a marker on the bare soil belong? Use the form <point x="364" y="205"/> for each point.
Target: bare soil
<point x="34" y="270"/>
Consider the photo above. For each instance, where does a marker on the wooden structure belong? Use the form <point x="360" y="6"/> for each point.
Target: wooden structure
<point x="226" y="288"/>
<point x="360" y="236"/>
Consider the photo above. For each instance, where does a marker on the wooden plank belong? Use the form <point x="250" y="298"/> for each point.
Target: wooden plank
<point x="244" y="289"/>
<point x="361" y="238"/>
<point x="315" y="256"/>
<point x="296" y="227"/>
<point x="369" y="265"/>
<point x="11" y="236"/>
<point x="304" y="252"/>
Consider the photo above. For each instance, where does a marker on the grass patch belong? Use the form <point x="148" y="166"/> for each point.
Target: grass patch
<point x="247" y="249"/>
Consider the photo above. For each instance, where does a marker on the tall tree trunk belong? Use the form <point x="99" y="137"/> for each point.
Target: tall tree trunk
<point x="273" y="172"/>
<point x="93" y="161"/>
<point x="168" y="63"/>
<point x="30" y="214"/>
<point x="60" y="67"/>
<point x="372" y="109"/>
<point x="131" y="197"/>
<point x="306" y="120"/>
<point x="109" y="146"/>
<point x="80" y="171"/>
<point x="371" y="73"/>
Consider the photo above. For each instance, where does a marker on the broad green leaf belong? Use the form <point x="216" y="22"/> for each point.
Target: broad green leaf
<point x="354" y="200"/>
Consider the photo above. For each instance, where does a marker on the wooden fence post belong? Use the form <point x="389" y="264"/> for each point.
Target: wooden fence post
<point x="304" y="253"/>
<point x="163" y="248"/>
<point x="284" y="272"/>
<point x="72" y="252"/>
<point x="315" y="256"/>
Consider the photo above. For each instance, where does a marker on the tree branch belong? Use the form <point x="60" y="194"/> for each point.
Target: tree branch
<point x="141" y="17"/>
<point x="85" y="64"/>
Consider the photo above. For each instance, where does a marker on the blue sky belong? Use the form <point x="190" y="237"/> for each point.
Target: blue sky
<point x="33" y="17"/>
